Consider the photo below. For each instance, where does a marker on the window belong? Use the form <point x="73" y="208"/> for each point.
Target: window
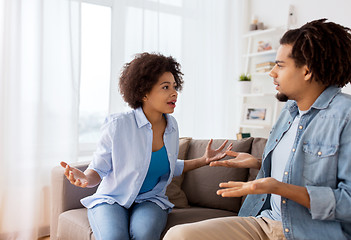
<point x="95" y="73"/>
<point x="132" y="27"/>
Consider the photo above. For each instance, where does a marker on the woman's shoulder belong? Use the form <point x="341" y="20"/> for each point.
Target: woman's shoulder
<point x="119" y="118"/>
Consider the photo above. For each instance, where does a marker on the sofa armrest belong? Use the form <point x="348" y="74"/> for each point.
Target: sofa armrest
<point x="64" y="195"/>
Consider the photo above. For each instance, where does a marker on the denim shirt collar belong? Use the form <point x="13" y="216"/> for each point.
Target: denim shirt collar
<point x="322" y="102"/>
<point x="142" y="120"/>
<point x="326" y="97"/>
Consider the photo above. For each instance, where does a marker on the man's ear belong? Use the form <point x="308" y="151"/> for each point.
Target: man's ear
<point x="308" y="73"/>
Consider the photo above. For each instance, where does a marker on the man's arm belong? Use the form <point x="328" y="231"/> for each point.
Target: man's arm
<point x="266" y="186"/>
<point x="240" y="160"/>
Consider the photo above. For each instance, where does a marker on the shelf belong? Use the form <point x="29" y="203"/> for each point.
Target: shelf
<point x="263" y="95"/>
<point x="266" y="31"/>
<point x="258" y="74"/>
<point x="257" y="94"/>
<point x="256" y="54"/>
<point x="253" y="126"/>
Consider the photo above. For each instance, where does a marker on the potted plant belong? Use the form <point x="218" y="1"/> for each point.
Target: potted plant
<point x="245" y="83"/>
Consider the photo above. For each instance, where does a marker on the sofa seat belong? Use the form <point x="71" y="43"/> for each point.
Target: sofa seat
<point x="74" y="224"/>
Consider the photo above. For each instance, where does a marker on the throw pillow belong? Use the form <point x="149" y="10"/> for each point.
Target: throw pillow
<point x="200" y="185"/>
<point x="174" y="192"/>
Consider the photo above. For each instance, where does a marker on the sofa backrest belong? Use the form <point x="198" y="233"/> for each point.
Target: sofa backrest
<point x="200" y="185"/>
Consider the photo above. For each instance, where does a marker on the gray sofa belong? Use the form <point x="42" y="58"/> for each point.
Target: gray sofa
<point x="194" y="193"/>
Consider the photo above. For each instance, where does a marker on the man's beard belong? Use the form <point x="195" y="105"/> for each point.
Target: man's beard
<point x="282" y="97"/>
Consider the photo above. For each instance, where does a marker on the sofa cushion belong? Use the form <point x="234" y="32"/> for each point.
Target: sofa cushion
<point x="74" y="224"/>
<point x="257" y="149"/>
<point x="174" y="192"/>
<point x="200" y="185"/>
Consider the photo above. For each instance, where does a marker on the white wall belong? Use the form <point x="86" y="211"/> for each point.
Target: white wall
<point x="275" y="13"/>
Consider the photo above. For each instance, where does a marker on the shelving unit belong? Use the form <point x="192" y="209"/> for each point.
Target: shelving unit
<point x="260" y="108"/>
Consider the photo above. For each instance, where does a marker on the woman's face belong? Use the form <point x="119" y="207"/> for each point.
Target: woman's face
<point x="163" y="95"/>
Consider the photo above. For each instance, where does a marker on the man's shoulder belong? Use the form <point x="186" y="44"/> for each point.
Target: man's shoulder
<point x="341" y="103"/>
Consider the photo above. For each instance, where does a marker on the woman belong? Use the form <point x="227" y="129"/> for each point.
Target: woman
<point x="136" y="157"/>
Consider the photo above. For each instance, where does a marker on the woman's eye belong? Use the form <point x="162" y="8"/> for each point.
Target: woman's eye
<point x="165" y="87"/>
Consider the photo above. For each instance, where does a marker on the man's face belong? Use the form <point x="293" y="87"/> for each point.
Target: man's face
<point x="290" y="80"/>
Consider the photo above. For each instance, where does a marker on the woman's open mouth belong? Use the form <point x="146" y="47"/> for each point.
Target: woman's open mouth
<point x="172" y="104"/>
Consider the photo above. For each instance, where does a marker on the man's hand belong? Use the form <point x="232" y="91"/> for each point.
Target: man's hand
<point x="75" y="176"/>
<point x="209" y="156"/>
<point x="241" y="160"/>
<point x="266" y="186"/>
<point x="217" y="154"/>
<point x="239" y="189"/>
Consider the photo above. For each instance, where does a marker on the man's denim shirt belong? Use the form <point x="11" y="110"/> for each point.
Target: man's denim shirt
<point x="320" y="160"/>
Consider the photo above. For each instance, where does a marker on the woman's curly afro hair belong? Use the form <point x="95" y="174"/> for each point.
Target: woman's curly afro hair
<point x="325" y="48"/>
<point x="142" y="73"/>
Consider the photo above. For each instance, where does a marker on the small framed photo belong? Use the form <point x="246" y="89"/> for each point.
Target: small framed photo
<point x="254" y="114"/>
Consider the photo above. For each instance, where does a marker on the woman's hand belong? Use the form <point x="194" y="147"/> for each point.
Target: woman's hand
<point x="239" y="189"/>
<point x="217" y="154"/>
<point x="75" y="176"/>
<point x="241" y="160"/>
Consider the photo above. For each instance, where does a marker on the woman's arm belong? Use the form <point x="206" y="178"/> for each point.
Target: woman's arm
<point x="209" y="156"/>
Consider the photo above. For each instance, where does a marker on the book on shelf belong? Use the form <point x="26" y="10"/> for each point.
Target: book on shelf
<point x="264" y="67"/>
<point x="240" y="136"/>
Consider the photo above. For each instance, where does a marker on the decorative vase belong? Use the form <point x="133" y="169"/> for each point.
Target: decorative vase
<point x="244" y="87"/>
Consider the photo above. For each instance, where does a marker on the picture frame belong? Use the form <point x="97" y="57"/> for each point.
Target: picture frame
<point x="257" y="114"/>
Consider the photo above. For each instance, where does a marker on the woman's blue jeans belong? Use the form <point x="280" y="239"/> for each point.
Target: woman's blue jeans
<point x="142" y="221"/>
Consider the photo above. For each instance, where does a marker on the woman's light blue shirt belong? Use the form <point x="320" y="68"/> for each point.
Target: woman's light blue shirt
<point x="320" y="160"/>
<point x="123" y="156"/>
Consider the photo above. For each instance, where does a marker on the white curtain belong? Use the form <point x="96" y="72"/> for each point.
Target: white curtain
<point x="211" y="63"/>
<point x="39" y="84"/>
<point x="204" y="36"/>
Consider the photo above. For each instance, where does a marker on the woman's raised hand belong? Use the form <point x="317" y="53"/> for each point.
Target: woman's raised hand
<point x="216" y="154"/>
<point x="75" y="176"/>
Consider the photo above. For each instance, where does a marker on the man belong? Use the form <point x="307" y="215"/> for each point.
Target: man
<point x="303" y="189"/>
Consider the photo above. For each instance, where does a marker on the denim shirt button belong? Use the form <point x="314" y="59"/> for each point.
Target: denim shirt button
<point x="300" y="127"/>
<point x="262" y="199"/>
<point x="319" y="153"/>
<point x="286" y="173"/>
<point x="284" y="201"/>
<point x="293" y="149"/>
<point x="286" y="230"/>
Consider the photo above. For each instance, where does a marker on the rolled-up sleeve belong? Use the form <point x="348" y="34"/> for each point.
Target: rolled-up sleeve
<point x="322" y="202"/>
<point x="102" y="159"/>
<point x="179" y="166"/>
